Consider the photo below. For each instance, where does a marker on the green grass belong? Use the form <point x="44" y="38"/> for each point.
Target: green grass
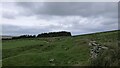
<point x="67" y="51"/>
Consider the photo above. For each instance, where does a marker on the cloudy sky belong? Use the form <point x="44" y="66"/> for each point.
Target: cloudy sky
<point x="77" y="17"/>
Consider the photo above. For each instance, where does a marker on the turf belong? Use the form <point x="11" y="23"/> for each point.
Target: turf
<point x="66" y="51"/>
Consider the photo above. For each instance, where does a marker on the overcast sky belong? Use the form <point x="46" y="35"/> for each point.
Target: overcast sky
<point x="77" y="17"/>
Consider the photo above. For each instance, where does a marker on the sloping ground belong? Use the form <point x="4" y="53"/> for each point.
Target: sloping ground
<point x="66" y="51"/>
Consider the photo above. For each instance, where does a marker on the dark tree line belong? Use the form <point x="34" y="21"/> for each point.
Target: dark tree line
<point x="54" y="34"/>
<point x="24" y="36"/>
<point x="50" y="34"/>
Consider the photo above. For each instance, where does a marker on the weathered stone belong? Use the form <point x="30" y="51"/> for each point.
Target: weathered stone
<point x="51" y="60"/>
<point x="96" y="48"/>
<point x="104" y="47"/>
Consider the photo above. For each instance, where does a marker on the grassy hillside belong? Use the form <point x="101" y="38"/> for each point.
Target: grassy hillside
<point x="66" y="51"/>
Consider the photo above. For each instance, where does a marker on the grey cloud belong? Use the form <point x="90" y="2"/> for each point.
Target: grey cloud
<point x="75" y="29"/>
<point x="70" y="8"/>
<point x="10" y="30"/>
<point x="7" y="10"/>
<point x="54" y="11"/>
<point x="110" y="21"/>
<point x="79" y="28"/>
<point x="17" y="30"/>
<point x="8" y="15"/>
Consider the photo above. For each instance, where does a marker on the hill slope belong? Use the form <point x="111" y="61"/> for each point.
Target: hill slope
<point x="64" y="51"/>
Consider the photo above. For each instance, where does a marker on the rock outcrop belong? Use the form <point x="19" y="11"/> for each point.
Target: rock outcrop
<point x="95" y="49"/>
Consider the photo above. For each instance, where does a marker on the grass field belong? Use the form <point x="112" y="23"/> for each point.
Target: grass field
<point x="66" y="51"/>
